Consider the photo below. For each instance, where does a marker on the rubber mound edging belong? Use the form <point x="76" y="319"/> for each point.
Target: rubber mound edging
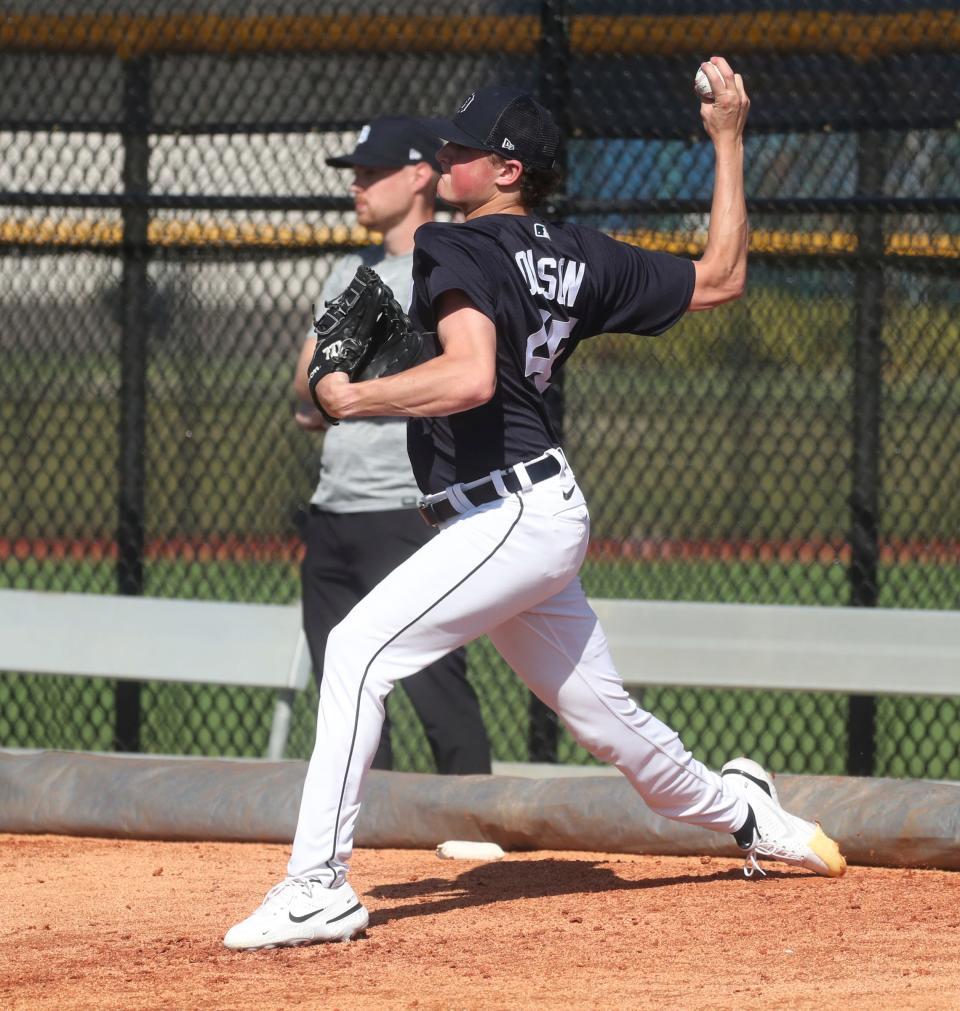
<point x="882" y="822"/>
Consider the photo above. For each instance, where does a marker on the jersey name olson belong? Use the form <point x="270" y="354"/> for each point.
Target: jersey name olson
<point x="556" y="280"/>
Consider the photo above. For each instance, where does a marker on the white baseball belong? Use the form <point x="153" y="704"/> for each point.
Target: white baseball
<point x="462" y="849"/>
<point x="703" y="87"/>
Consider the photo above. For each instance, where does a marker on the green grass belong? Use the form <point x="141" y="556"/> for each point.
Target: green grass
<point x="734" y="424"/>
<point x="670" y="456"/>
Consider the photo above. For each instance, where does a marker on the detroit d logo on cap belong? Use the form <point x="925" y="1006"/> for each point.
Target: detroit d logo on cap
<point x="466" y="104"/>
<point x="364" y="134"/>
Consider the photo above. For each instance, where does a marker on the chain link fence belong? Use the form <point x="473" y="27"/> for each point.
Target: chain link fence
<point x="167" y="221"/>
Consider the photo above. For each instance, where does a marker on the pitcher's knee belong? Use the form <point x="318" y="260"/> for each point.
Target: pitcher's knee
<point x="352" y="639"/>
<point x="598" y="746"/>
<point x="354" y="661"/>
<point x="339" y="643"/>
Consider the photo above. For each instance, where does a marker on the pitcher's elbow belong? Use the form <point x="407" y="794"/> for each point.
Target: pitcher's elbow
<point x="731" y="287"/>
<point x="716" y="285"/>
<point x="738" y="287"/>
<point x="482" y="390"/>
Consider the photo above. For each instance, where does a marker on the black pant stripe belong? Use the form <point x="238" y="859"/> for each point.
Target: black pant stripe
<point x="410" y="624"/>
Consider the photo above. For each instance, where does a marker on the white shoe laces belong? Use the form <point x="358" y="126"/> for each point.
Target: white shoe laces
<point x="786" y="849"/>
<point x="304" y="884"/>
<point x="782" y="849"/>
<point x="778" y="834"/>
<point x="752" y="866"/>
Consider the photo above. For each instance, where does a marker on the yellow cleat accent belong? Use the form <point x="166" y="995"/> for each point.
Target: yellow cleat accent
<point x="828" y="851"/>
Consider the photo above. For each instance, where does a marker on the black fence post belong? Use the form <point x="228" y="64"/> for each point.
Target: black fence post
<point x="543" y="728"/>
<point x="867" y="400"/>
<point x="134" y="321"/>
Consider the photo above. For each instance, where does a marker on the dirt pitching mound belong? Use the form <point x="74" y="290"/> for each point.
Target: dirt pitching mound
<point x="96" y="923"/>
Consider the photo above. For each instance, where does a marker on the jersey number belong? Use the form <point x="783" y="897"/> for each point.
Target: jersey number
<point x="544" y="346"/>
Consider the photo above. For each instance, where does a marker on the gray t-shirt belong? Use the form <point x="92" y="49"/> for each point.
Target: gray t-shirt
<point x="364" y="465"/>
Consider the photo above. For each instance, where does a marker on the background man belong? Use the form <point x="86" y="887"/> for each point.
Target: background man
<point x="362" y="520"/>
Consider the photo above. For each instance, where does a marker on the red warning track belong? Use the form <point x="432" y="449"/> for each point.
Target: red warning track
<point x="174" y="549"/>
<point x="290" y="549"/>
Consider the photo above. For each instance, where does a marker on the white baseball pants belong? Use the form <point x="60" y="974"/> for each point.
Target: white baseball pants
<point x="507" y="569"/>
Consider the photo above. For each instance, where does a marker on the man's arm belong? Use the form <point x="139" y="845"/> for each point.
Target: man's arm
<point x="306" y="415"/>
<point x="300" y="388"/>
<point x="463" y="376"/>
<point x="721" y="273"/>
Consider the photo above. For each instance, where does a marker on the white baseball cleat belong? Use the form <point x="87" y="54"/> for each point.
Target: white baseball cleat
<point x="300" y="911"/>
<point x="778" y="834"/>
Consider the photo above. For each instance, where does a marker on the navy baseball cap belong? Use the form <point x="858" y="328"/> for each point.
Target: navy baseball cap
<point x="507" y="122"/>
<point x="392" y="142"/>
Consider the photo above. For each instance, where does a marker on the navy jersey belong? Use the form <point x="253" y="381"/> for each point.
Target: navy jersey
<point x="546" y="286"/>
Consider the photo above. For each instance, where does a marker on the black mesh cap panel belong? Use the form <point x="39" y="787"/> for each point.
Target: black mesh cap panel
<point x="526" y="126"/>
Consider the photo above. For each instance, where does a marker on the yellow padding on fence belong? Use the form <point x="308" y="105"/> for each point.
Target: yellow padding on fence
<point x="86" y="232"/>
<point x="800" y="243"/>
<point x="693" y="243"/>
<point x="176" y="233"/>
<point x="859" y="36"/>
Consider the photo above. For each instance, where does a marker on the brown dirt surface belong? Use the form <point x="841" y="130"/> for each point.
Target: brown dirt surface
<point x="111" y="924"/>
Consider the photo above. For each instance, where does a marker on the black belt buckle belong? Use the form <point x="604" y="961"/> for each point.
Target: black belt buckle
<point x="428" y="514"/>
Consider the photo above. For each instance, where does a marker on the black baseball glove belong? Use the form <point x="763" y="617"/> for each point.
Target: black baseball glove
<point x="364" y="333"/>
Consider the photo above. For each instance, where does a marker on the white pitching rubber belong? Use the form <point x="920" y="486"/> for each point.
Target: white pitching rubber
<point x="462" y="849"/>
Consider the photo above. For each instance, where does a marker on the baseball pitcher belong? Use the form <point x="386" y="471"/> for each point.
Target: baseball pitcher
<point x="509" y="297"/>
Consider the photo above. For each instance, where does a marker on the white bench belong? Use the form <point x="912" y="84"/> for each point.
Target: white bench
<point x="857" y="651"/>
<point x="849" y="650"/>
<point x="153" y="639"/>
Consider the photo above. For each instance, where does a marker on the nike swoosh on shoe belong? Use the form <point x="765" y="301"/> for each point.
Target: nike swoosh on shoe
<point x="305" y="917"/>
<point x="309" y="916"/>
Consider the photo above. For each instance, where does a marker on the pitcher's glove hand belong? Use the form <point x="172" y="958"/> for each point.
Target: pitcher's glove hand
<point x="364" y="333"/>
